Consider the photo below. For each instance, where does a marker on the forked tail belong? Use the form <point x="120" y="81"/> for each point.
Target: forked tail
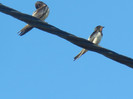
<point x="80" y="54"/>
<point x="25" y="30"/>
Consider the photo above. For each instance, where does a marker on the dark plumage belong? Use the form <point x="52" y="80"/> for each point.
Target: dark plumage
<point x="42" y="13"/>
<point x="95" y="38"/>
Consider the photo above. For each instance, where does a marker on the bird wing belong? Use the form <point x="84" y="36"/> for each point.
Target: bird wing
<point x="80" y="54"/>
<point x="41" y="12"/>
<point x="91" y="38"/>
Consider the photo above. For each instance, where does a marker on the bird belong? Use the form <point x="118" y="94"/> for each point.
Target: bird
<point x="42" y="12"/>
<point x="95" y="38"/>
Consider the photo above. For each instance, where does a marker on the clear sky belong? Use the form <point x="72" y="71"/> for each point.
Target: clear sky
<point x="39" y="65"/>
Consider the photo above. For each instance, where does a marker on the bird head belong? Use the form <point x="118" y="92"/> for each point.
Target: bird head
<point x="99" y="28"/>
<point x="38" y="4"/>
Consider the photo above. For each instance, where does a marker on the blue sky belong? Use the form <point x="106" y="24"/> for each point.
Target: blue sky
<point x="39" y="65"/>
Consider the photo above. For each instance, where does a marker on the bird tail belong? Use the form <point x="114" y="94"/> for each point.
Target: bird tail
<point x="25" y="30"/>
<point x="80" y="54"/>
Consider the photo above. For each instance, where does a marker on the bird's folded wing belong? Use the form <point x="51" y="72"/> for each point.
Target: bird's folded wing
<point x="40" y="12"/>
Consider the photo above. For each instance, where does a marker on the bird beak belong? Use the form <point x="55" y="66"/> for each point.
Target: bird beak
<point x="101" y="28"/>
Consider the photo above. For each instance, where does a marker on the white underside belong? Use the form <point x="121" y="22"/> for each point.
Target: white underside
<point x="96" y="39"/>
<point x="40" y="13"/>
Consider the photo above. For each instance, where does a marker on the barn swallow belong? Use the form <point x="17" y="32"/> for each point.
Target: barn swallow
<point x="95" y="38"/>
<point x="42" y="12"/>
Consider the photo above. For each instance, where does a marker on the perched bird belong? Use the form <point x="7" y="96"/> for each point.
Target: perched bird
<point x="41" y="13"/>
<point x="95" y="38"/>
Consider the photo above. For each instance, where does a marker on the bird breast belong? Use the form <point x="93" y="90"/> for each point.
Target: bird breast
<point x="97" y="38"/>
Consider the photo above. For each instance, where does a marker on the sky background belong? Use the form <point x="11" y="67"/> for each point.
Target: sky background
<point x="40" y="65"/>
